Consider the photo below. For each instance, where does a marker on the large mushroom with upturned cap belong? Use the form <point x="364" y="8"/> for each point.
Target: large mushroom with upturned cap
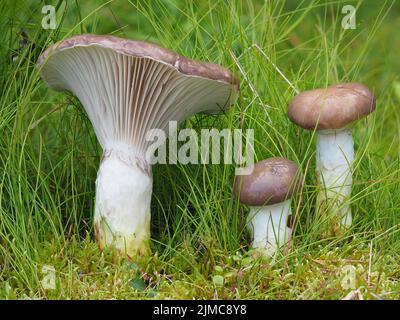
<point x="268" y="191"/>
<point x="330" y="112"/>
<point x="128" y="88"/>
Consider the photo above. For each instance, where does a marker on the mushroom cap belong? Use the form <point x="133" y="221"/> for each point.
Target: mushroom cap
<point x="142" y="49"/>
<point x="130" y="87"/>
<point x="272" y="181"/>
<point x="331" y="108"/>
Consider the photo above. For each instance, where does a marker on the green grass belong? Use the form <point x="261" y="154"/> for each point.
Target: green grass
<point x="49" y="155"/>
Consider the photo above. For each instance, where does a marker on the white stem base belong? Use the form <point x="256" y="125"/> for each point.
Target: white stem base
<point x="335" y="155"/>
<point x="122" y="208"/>
<point x="268" y="225"/>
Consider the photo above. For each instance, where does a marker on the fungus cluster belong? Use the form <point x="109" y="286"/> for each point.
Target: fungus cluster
<point x="268" y="189"/>
<point x="130" y="87"/>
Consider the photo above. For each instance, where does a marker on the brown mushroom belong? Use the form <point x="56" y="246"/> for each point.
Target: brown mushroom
<point x="267" y="190"/>
<point x="330" y="111"/>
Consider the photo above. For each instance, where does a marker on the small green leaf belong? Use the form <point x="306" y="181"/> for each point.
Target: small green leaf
<point x="219" y="269"/>
<point x="151" y="294"/>
<point x="247" y="261"/>
<point x="236" y="257"/>
<point x="218" y="281"/>
<point x="138" y="284"/>
<point x="230" y="274"/>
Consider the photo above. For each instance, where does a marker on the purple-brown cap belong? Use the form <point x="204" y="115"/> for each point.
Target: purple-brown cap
<point x="331" y="108"/>
<point x="272" y="181"/>
<point x="142" y="49"/>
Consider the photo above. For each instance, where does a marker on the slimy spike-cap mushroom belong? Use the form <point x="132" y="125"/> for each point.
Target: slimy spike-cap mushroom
<point x="128" y="88"/>
<point x="267" y="190"/>
<point x="330" y="111"/>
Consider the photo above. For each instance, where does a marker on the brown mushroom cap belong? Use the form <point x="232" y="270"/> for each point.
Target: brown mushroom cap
<point x="272" y="181"/>
<point x="143" y="49"/>
<point x="331" y="108"/>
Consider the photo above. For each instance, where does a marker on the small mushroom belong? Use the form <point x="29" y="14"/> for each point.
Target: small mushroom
<point x="267" y="190"/>
<point x="330" y="111"/>
<point x="128" y="88"/>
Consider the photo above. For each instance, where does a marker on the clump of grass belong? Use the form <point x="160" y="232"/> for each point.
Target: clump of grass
<point x="49" y="156"/>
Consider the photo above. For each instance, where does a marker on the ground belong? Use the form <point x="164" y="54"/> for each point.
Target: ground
<point x="49" y="155"/>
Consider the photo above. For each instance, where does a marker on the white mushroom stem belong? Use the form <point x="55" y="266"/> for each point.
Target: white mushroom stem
<point x="123" y="196"/>
<point x="335" y="155"/>
<point x="268" y="225"/>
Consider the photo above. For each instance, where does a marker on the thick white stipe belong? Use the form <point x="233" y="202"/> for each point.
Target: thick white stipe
<point x="335" y="155"/>
<point x="269" y="226"/>
<point x="123" y="196"/>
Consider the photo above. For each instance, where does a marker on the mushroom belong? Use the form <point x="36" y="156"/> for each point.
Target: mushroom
<point x="329" y="111"/>
<point x="267" y="190"/>
<point x="128" y="88"/>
